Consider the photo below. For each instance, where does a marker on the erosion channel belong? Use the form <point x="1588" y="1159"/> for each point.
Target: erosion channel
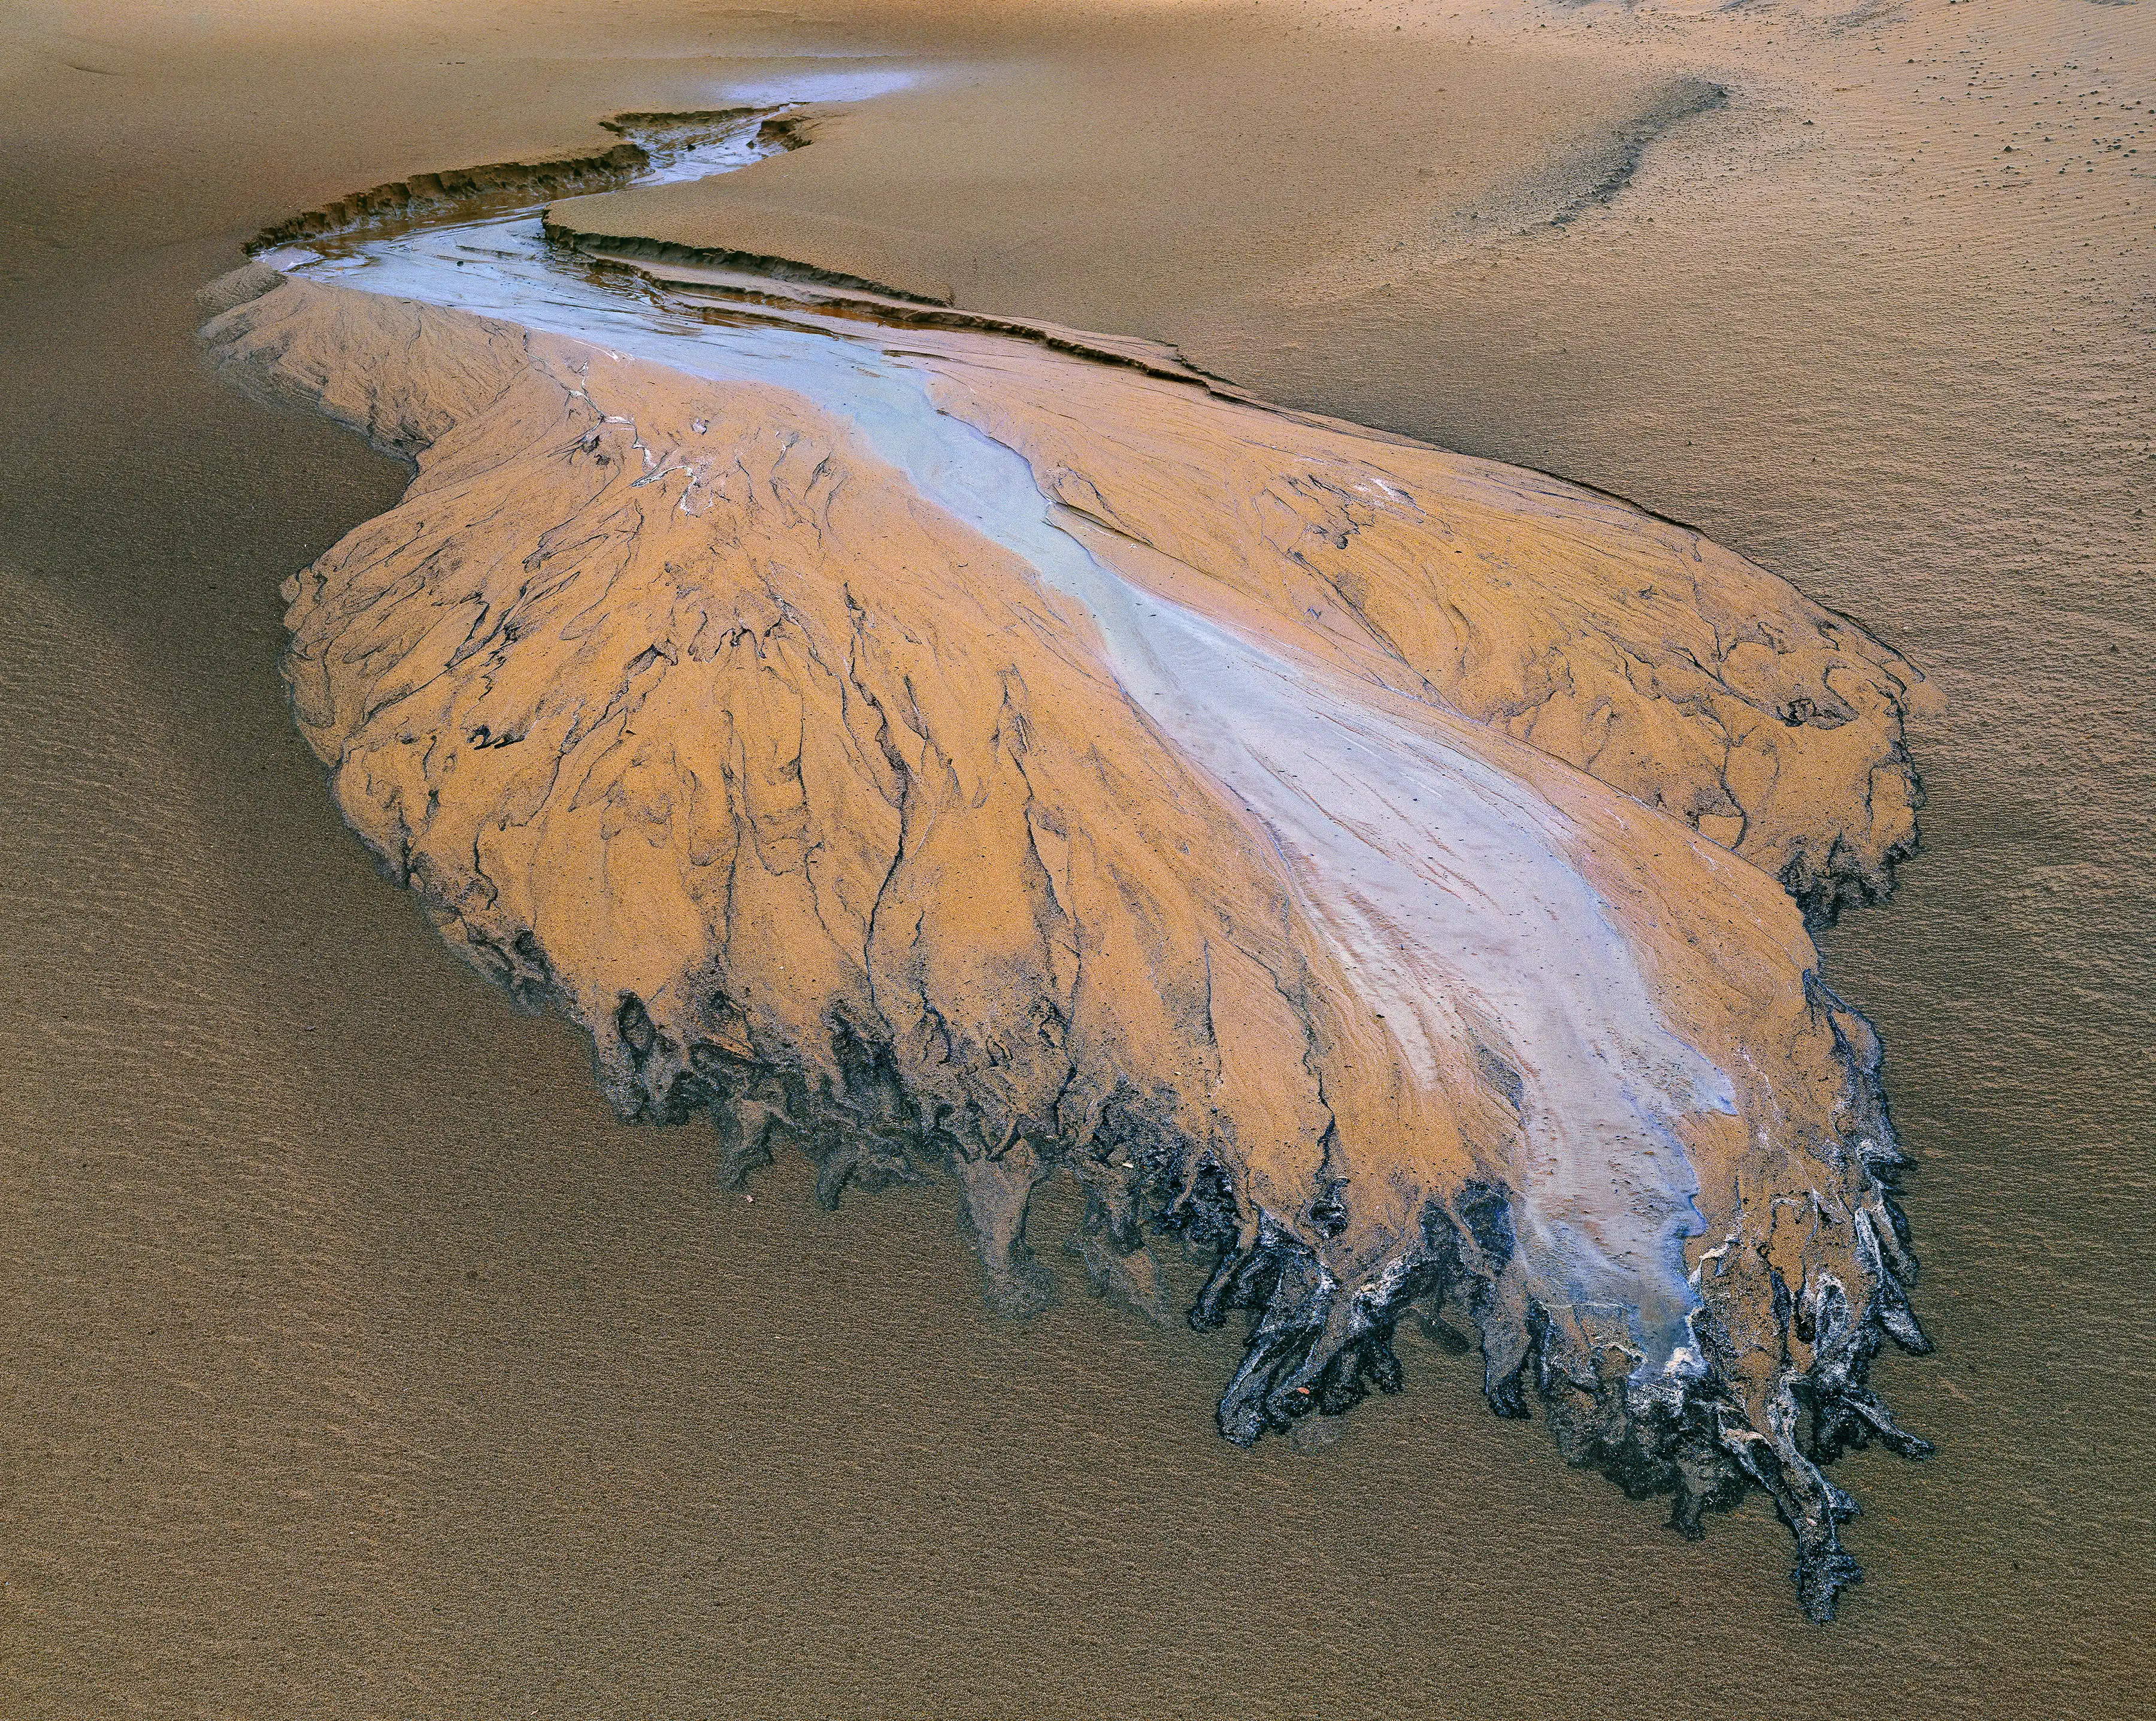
<point x="955" y="745"/>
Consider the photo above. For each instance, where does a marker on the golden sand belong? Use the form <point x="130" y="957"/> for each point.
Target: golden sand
<point x="359" y="1361"/>
<point x="684" y="710"/>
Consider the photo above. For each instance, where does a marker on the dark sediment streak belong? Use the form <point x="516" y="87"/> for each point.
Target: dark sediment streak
<point x="1614" y="165"/>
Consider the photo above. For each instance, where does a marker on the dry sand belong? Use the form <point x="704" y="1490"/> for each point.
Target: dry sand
<point x="357" y="1364"/>
<point x="1307" y="846"/>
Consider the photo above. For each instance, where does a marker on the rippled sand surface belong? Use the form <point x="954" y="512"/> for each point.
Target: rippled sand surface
<point x="360" y="1364"/>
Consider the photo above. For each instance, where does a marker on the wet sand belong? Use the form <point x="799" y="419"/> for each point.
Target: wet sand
<point x="359" y="1363"/>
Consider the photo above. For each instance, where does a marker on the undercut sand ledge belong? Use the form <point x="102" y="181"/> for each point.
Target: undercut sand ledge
<point x="626" y="247"/>
<point x="555" y="176"/>
<point x="684" y="711"/>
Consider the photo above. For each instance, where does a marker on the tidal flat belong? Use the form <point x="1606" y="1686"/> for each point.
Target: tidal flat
<point x="347" y="1260"/>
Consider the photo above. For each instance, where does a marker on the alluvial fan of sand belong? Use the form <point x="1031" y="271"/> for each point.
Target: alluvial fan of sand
<point x="358" y="1364"/>
<point x="1239" y="841"/>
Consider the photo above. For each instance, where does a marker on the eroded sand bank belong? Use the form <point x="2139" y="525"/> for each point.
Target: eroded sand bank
<point x="944" y="749"/>
<point x="359" y="1362"/>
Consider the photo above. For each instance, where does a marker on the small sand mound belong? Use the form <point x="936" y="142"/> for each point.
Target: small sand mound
<point x="1301" y="841"/>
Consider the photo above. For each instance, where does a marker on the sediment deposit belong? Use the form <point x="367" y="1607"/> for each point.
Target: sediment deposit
<point x="939" y="749"/>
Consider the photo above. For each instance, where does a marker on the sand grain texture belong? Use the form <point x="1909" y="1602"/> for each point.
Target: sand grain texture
<point x="683" y="711"/>
<point x="359" y="1361"/>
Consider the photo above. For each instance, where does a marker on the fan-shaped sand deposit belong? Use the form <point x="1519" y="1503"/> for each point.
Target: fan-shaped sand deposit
<point x="937" y="749"/>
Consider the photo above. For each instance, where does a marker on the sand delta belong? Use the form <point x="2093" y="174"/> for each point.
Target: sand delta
<point x="1573" y="172"/>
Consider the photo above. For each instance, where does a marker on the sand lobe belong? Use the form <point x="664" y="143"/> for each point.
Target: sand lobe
<point x="936" y="748"/>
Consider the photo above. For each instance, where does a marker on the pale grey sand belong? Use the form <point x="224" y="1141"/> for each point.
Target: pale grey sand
<point x="357" y="1364"/>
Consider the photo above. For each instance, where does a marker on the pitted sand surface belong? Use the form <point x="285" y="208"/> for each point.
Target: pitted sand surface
<point x="358" y="1363"/>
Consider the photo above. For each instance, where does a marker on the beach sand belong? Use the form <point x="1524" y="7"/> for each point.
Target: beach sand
<point x="358" y="1363"/>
